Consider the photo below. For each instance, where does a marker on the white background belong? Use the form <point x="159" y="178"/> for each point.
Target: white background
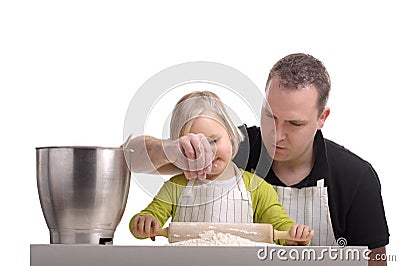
<point x="68" y="71"/>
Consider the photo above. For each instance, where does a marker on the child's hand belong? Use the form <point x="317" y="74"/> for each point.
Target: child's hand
<point x="146" y="226"/>
<point x="301" y="235"/>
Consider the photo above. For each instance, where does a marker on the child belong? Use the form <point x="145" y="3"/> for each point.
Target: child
<point x="228" y="194"/>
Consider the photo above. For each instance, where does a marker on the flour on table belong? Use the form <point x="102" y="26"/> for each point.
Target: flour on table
<point x="210" y="238"/>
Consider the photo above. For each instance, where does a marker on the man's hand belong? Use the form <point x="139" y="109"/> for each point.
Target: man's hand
<point x="193" y="153"/>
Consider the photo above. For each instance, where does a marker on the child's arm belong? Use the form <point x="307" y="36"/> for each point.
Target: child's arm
<point x="145" y="226"/>
<point x="160" y="209"/>
<point x="156" y="214"/>
<point x="301" y="232"/>
<point x="267" y="209"/>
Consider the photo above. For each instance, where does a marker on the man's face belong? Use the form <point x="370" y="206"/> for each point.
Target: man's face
<point x="289" y="127"/>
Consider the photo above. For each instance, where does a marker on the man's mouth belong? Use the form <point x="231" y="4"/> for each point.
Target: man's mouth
<point x="279" y="147"/>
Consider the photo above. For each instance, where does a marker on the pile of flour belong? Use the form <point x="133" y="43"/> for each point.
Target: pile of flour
<point x="210" y="238"/>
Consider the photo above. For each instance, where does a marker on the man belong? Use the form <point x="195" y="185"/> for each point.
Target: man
<point x="319" y="183"/>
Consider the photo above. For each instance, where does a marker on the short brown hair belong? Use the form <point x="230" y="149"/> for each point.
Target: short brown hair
<point x="301" y="70"/>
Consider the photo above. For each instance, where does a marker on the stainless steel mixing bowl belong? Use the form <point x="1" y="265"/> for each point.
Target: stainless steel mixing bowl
<point x="83" y="192"/>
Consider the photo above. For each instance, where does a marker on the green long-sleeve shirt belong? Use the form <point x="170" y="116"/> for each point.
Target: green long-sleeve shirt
<point x="266" y="207"/>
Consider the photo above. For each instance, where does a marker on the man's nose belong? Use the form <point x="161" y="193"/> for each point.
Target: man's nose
<point x="280" y="132"/>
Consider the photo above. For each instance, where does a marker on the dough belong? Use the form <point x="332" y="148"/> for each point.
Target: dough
<point x="210" y="238"/>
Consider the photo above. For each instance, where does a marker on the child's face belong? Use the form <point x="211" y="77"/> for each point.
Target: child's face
<point x="217" y="133"/>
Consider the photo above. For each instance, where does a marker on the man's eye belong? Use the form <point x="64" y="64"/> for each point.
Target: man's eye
<point x="212" y="141"/>
<point x="296" y="124"/>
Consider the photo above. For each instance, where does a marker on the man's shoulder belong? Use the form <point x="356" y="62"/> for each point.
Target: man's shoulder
<point x="346" y="166"/>
<point x="250" y="131"/>
<point x="340" y="156"/>
<point x="249" y="149"/>
<point x="355" y="198"/>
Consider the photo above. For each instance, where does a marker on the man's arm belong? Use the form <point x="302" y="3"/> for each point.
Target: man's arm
<point x="191" y="154"/>
<point x="367" y="214"/>
<point x="376" y="256"/>
<point x="145" y="154"/>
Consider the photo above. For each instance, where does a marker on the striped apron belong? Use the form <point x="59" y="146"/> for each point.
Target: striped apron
<point x="309" y="206"/>
<point x="225" y="201"/>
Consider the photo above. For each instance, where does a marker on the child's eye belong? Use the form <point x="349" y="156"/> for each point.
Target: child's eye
<point x="212" y="141"/>
<point x="269" y="115"/>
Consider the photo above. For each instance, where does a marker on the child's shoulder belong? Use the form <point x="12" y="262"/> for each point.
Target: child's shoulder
<point x="249" y="176"/>
<point x="179" y="180"/>
<point x="253" y="182"/>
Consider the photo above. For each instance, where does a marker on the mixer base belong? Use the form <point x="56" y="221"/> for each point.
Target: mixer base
<point x="81" y="236"/>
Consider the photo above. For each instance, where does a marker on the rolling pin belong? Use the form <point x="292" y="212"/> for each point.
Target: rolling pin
<point x="180" y="231"/>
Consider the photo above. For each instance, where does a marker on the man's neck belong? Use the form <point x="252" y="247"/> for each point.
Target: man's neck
<point x="294" y="171"/>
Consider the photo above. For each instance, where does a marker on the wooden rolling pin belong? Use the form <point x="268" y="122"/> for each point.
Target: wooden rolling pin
<point x="180" y="231"/>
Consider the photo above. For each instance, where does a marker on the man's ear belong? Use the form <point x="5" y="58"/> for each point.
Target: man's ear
<point x="322" y="117"/>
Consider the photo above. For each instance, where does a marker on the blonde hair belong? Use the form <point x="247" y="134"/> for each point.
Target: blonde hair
<point x="202" y="103"/>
